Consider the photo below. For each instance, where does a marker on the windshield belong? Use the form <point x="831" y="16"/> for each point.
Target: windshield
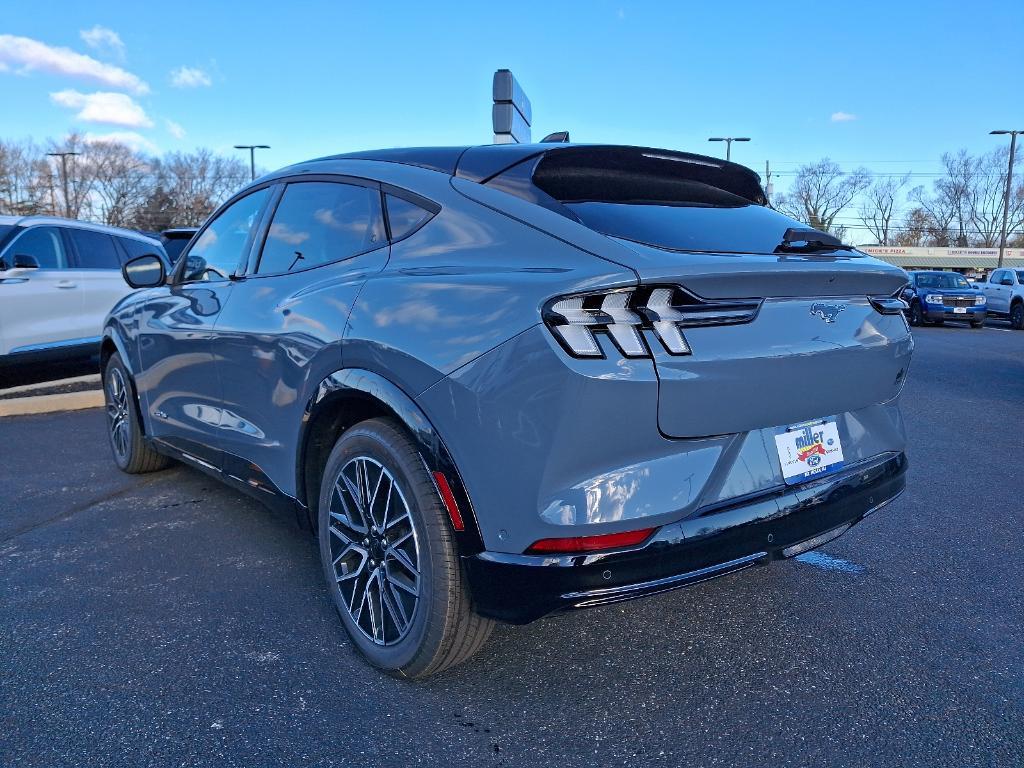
<point x="1020" y="275"/>
<point x="720" y="229"/>
<point x="944" y="281"/>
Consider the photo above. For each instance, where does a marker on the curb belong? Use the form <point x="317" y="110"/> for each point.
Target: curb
<point x="72" y="401"/>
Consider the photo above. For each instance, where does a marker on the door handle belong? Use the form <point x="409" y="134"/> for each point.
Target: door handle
<point x="67" y="284"/>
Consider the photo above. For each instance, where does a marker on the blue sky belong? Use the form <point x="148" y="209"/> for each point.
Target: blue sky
<point x="890" y="85"/>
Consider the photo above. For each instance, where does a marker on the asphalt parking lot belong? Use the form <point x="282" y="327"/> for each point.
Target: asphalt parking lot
<point x="166" y="620"/>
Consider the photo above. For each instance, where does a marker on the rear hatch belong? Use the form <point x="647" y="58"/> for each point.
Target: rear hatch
<point x="817" y="337"/>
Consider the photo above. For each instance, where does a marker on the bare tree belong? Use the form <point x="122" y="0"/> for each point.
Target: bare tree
<point x="918" y="227"/>
<point x="880" y="206"/>
<point x="986" y="198"/>
<point x="822" y="191"/>
<point x="123" y="180"/>
<point x="25" y="183"/>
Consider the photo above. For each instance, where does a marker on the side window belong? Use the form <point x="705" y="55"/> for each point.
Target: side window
<point x="996" y="276"/>
<point x="219" y="250"/>
<point x="44" y="243"/>
<point x="95" y="250"/>
<point x="134" y="248"/>
<point x="404" y="217"/>
<point x="320" y="222"/>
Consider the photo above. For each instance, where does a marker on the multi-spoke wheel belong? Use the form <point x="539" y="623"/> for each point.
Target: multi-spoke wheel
<point x="374" y="550"/>
<point x="131" y="453"/>
<point x="389" y="555"/>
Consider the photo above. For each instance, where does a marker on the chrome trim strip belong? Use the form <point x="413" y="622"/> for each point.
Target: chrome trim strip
<point x="610" y="593"/>
<point x="58" y="345"/>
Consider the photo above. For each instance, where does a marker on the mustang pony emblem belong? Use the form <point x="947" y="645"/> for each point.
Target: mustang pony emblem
<point x="827" y="312"/>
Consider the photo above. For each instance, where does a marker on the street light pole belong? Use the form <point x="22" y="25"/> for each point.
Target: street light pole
<point x="728" y="143"/>
<point x="252" y="156"/>
<point x="1009" y="188"/>
<point x="64" y="173"/>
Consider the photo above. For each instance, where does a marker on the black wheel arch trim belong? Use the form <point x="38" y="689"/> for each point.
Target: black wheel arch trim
<point x="361" y="383"/>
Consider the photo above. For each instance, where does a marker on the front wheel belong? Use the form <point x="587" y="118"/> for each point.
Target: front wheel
<point x="977" y="323"/>
<point x="389" y="556"/>
<point x="916" y="315"/>
<point x="131" y="452"/>
<point x="1017" y="316"/>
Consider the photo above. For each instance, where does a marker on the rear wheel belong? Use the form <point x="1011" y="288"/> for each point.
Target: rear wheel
<point x="131" y="452"/>
<point x="1017" y="316"/>
<point x="389" y="556"/>
<point x="916" y="315"/>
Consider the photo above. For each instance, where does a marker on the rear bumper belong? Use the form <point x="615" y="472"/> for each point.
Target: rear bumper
<point x="711" y="542"/>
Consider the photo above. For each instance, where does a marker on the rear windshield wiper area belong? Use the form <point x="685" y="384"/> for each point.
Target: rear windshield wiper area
<point x="810" y="241"/>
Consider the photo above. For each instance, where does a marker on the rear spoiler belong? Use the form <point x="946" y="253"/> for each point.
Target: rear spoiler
<point x="578" y="171"/>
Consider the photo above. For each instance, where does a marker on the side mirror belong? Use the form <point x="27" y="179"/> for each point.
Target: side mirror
<point x="1005" y="280"/>
<point x="144" y="272"/>
<point x="24" y="261"/>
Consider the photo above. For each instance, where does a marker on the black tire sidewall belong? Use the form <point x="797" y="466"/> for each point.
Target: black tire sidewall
<point x="369" y="439"/>
<point x="1017" y="316"/>
<point x="916" y="316"/>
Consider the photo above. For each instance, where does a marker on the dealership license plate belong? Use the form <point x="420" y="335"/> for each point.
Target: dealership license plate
<point x="810" y="450"/>
<point x="959" y="310"/>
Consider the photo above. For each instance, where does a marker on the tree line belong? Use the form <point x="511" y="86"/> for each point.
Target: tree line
<point x="115" y="184"/>
<point x="112" y="183"/>
<point x="962" y="207"/>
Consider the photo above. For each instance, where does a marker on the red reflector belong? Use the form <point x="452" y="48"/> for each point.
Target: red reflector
<point x="590" y="543"/>
<point x="449" y="501"/>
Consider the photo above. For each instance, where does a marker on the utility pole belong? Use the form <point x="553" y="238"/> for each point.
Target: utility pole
<point x="252" y="156"/>
<point x="1009" y="189"/>
<point x="768" y="181"/>
<point x="728" y="143"/>
<point x="64" y="174"/>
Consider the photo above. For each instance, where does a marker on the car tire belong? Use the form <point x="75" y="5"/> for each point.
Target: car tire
<point x="977" y="323"/>
<point x="400" y="589"/>
<point x="916" y="315"/>
<point x="1017" y="316"/>
<point x="131" y="452"/>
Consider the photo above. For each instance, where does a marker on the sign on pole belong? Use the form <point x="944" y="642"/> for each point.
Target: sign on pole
<point x="511" y="114"/>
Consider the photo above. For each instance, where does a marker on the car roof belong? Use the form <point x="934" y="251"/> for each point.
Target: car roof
<point x="30" y="221"/>
<point x="481" y="162"/>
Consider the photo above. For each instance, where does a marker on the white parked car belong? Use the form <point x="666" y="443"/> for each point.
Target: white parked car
<point x="58" y="280"/>
<point x="1005" y="293"/>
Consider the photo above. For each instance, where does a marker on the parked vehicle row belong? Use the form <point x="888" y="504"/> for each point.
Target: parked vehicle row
<point x="58" y="280"/>
<point x="508" y="380"/>
<point x="1005" y="294"/>
<point x="934" y="296"/>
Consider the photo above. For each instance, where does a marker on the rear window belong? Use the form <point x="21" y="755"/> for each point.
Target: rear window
<point x="745" y="228"/>
<point x="174" y="247"/>
<point x="95" y="250"/>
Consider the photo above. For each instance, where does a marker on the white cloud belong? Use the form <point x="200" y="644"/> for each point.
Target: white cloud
<point x="104" y="40"/>
<point x="104" y="107"/>
<point x="175" y="129"/>
<point x="30" y="55"/>
<point x="842" y="117"/>
<point x="136" y="141"/>
<point x="189" y="77"/>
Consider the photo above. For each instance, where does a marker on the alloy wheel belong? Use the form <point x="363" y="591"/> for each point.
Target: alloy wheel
<point x="374" y="550"/>
<point x="117" y="413"/>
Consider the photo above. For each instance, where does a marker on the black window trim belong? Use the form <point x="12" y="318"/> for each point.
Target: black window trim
<point x="410" y="197"/>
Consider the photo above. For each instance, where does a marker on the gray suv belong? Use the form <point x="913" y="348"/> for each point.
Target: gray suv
<point x="504" y="381"/>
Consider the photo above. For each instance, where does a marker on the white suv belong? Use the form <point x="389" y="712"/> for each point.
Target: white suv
<point x="1005" y="293"/>
<point x="58" y="280"/>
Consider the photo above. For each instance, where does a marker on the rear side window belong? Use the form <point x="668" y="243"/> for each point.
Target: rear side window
<point x="135" y="248"/>
<point x="321" y="222"/>
<point x="95" y="250"/>
<point x="404" y="217"/>
<point x="739" y="228"/>
<point x="44" y="243"/>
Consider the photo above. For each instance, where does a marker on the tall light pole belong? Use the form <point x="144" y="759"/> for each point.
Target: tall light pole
<point x="64" y="173"/>
<point x="1009" y="188"/>
<point x="252" y="156"/>
<point x="728" y="143"/>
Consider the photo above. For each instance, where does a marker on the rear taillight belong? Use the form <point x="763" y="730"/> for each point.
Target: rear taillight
<point x="574" y="544"/>
<point x="624" y="315"/>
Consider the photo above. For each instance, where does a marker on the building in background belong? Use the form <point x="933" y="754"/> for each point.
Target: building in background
<point x="973" y="262"/>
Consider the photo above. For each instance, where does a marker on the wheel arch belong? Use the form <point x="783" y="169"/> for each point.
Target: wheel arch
<point x="350" y="396"/>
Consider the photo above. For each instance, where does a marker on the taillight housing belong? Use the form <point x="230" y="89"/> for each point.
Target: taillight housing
<point x="580" y="544"/>
<point x="624" y="314"/>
